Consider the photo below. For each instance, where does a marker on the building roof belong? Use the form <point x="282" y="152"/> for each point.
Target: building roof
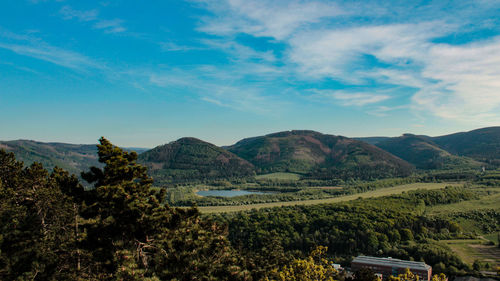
<point x="391" y="262"/>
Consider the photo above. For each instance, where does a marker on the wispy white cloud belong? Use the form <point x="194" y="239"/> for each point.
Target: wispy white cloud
<point x="238" y="51"/>
<point x="345" y="98"/>
<point x="468" y="87"/>
<point x="276" y="19"/>
<point x="240" y="98"/>
<point x="361" y="42"/>
<point x="31" y="46"/>
<point x="174" y="47"/>
<point x="41" y="1"/>
<point x="108" y="26"/>
<point x="53" y="55"/>
<point x="69" y="13"/>
<point x="211" y="85"/>
<point x="339" y="53"/>
<point x="382" y="110"/>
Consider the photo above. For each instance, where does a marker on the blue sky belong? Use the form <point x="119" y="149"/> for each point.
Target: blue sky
<point x="144" y="73"/>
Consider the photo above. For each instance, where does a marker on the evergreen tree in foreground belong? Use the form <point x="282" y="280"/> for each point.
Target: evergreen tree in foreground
<point x="52" y="229"/>
<point x="134" y="236"/>
<point x="37" y="223"/>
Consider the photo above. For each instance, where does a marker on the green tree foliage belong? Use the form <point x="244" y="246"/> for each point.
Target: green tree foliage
<point x="364" y="274"/>
<point x="37" y="223"/>
<point x="439" y="277"/>
<point x="406" y="276"/>
<point x="319" y="156"/>
<point x="72" y="157"/>
<point x="269" y="258"/>
<point x="422" y="152"/>
<point x="313" y="268"/>
<point x="390" y="226"/>
<point x="410" y="276"/>
<point x="52" y="229"/>
<point x="189" y="159"/>
<point x="130" y="231"/>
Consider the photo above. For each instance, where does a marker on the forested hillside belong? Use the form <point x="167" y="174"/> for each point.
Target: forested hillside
<point x="189" y="159"/>
<point x="422" y="152"/>
<point x="74" y="158"/>
<point x="319" y="156"/>
<point x="481" y="144"/>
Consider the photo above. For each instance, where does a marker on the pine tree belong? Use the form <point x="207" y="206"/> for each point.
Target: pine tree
<point x="36" y="241"/>
<point x="131" y="232"/>
<point x="314" y="267"/>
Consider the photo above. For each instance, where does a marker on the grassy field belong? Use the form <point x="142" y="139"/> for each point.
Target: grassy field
<point x="485" y="202"/>
<point x="471" y="250"/>
<point x="492" y="237"/>
<point x="326" y="187"/>
<point x="279" y="176"/>
<point x="375" y="193"/>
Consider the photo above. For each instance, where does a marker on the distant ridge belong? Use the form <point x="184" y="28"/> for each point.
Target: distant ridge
<point x="481" y="144"/>
<point x="190" y="159"/>
<point x="372" y="140"/>
<point x="422" y="152"/>
<point x="71" y="157"/>
<point x="319" y="155"/>
<point x="74" y="158"/>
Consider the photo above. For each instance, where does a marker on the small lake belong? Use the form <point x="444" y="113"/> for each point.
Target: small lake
<point x="228" y="193"/>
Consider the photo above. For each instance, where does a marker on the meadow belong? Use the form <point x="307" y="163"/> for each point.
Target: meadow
<point x="279" y="176"/>
<point x="369" y="194"/>
<point x="475" y="250"/>
<point x="490" y="201"/>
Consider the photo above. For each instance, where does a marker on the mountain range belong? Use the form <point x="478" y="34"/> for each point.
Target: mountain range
<point x="309" y="153"/>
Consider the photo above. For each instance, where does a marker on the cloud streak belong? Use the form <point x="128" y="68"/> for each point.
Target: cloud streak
<point x="212" y="85"/>
<point x="108" y="26"/>
<point x="358" y="99"/>
<point x="33" y="47"/>
<point x="277" y="19"/>
<point x="69" y="13"/>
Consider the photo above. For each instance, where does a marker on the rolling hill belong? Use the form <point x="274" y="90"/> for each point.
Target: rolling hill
<point x="71" y="157"/>
<point x="372" y="140"/>
<point x="190" y="158"/>
<point x="74" y="158"/>
<point x="422" y="152"/>
<point x="481" y="144"/>
<point x="318" y="155"/>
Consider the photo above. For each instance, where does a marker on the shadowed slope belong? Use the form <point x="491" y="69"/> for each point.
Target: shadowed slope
<point x="422" y="152"/>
